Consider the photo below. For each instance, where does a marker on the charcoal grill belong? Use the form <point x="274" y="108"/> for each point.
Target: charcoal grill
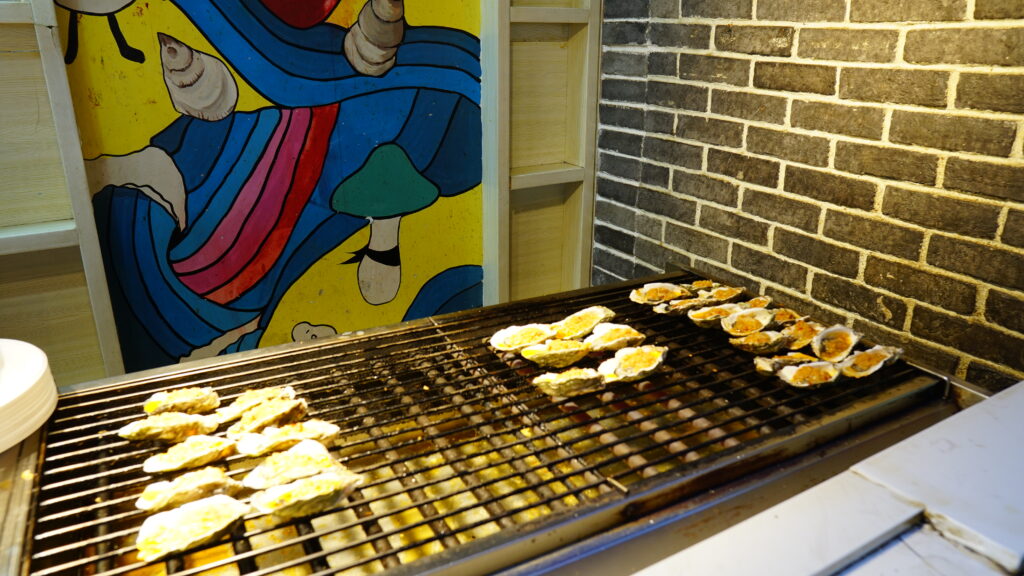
<point x="463" y="459"/>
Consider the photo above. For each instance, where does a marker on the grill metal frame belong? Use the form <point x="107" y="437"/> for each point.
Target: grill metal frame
<point x="576" y="467"/>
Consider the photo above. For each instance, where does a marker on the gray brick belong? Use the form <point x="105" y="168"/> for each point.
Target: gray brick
<point x="624" y="63"/>
<point x="628" y="168"/>
<point x="795" y="77"/>
<point x="623" y="90"/>
<point x="981" y="261"/>
<point x="705" y="188"/>
<point x="817" y="252"/>
<point x="802" y="10"/>
<point x="985" y="46"/>
<point x="1002" y="93"/>
<point x="921" y="285"/>
<point x="615" y="214"/>
<point x="672" y="152"/>
<point x="694" y="241"/>
<point x="992" y="380"/>
<point x="998" y="9"/>
<point x="624" y="33"/>
<point x="618" y="191"/>
<point x="886" y="162"/>
<point x="716" y="8"/>
<point x="663" y="64"/>
<point x="658" y="122"/>
<point x="654" y="175"/>
<point x="921" y="87"/>
<point x="879" y="236"/>
<point x="769" y="267"/>
<point x="762" y="40"/>
<point x="679" y="96"/>
<point x="907" y="10"/>
<point x="682" y="211"/>
<point x="941" y="212"/>
<point x="788" y="145"/>
<point x="957" y="133"/>
<point x="858" y="299"/>
<point x="998" y="180"/>
<point x="840" y="190"/>
<point x="625" y="9"/>
<point x="654" y="254"/>
<point x="599" y="277"/>
<point x="664" y="8"/>
<point x="775" y="207"/>
<point x="1005" y="309"/>
<point x="848" y="45"/>
<point x="714" y="69"/>
<point x="710" y="130"/>
<point x="621" y="116"/>
<point x="860" y="121"/>
<point x="622" y="142"/>
<point x="680" y="35"/>
<point x="733" y="225"/>
<point x="614" y="238"/>
<point x="621" y="268"/>
<point x="968" y="336"/>
<point x="1013" y="230"/>
<point x="650" y="226"/>
<point x="749" y="106"/>
<point x="745" y="168"/>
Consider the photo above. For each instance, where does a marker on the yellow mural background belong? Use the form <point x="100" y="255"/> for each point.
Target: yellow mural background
<point x="120" y="105"/>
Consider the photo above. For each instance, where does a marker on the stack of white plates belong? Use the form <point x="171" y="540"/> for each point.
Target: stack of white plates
<point x="27" y="392"/>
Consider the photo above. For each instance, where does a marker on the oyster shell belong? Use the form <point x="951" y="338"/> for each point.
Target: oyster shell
<point x="188" y="400"/>
<point x="307" y="495"/>
<point x="703" y="285"/>
<point x="607" y="336"/>
<point x="168" y="427"/>
<point x="273" y="439"/>
<point x="809" y="375"/>
<point x="802" y="332"/>
<point x="835" y="343"/>
<point x="193" y="452"/>
<point x="763" y="342"/>
<point x="745" y="322"/>
<point x="571" y="382"/>
<point x="270" y="413"/>
<point x="677" y="307"/>
<point x="658" y="292"/>
<point x="787" y="316"/>
<point x="771" y="364"/>
<point x="515" y="338"/>
<point x="757" y="302"/>
<point x="867" y="362"/>
<point x="190" y="525"/>
<point x="187" y="488"/>
<point x="722" y="294"/>
<point x="556" y="353"/>
<point x="632" y="363"/>
<point x="579" y="324"/>
<point x="250" y="399"/>
<point x="709" y="316"/>
<point x="306" y="458"/>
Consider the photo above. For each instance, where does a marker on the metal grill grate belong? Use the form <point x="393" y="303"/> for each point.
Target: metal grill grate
<point x="458" y="451"/>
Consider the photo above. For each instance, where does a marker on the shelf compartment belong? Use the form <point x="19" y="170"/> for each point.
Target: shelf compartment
<point x="545" y="175"/>
<point x="544" y="239"/>
<point x="544" y="14"/>
<point x="38" y="237"/>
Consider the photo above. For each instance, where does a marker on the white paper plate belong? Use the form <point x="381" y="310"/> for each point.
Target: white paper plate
<point x="27" y="391"/>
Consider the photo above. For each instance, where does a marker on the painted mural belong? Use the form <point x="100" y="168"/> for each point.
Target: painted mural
<point x="266" y="171"/>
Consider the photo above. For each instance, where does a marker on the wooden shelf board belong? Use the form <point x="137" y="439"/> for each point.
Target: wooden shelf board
<point x="544" y="175"/>
<point x="38" y="237"/>
<point x="15" y="13"/>
<point x="543" y="15"/>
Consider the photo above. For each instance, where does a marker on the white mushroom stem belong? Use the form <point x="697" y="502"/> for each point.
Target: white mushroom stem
<point x="371" y="43"/>
<point x="379" y="282"/>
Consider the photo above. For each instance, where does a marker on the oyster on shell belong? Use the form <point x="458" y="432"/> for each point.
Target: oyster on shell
<point x="579" y="324"/>
<point x="250" y="399"/>
<point x="168" y="427"/>
<point x="556" y="353"/>
<point x="769" y="365"/>
<point x="195" y="451"/>
<point x="802" y="332"/>
<point x="571" y="382"/>
<point x="709" y="316"/>
<point x="746" y="322"/>
<point x="607" y="336"/>
<point x="186" y="488"/>
<point x="515" y="338"/>
<point x="658" y="292"/>
<point x="867" y="362"/>
<point x="703" y="285"/>
<point x="835" y="343"/>
<point x="787" y="316"/>
<point x="632" y="363"/>
<point x="757" y="302"/>
<point x="307" y="495"/>
<point x="307" y="458"/>
<point x="273" y="439"/>
<point x="188" y="400"/>
<point x="677" y="307"/>
<point x="809" y="375"/>
<point x="722" y="294"/>
<point x="270" y="413"/>
<point x="763" y="342"/>
<point x="190" y="525"/>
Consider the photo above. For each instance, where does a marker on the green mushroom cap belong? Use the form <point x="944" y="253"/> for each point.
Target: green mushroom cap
<point x="387" y="185"/>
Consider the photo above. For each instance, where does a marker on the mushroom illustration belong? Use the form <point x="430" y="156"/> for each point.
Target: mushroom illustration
<point x="108" y="8"/>
<point x="383" y="190"/>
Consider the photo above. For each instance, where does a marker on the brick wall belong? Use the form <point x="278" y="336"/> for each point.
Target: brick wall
<point x="858" y="159"/>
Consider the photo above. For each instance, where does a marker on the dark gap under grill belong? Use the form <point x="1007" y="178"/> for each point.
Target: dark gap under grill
<point x="459" y="452"/>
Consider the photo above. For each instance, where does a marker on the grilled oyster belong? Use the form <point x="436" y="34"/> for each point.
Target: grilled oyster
<point x="748" y="321"/>
<point x="194" y="451"/>
<point x="786" y="316"/>
<point x="802" y="332"/>
<point x="250" y="399"/>
<point x="722" y="294"/>
<point x="187" y="488"/>
<point x="188" y="400"/>
<point x="515" y="338"/>
<point x="835" y="343"/>
<point x="556" y="353"/>
<point x="193" y="524"/>
<point x="763" y="342"/>
<point x="168" y="426"/>
<point x="771" y="364"/>
<point x="307" y="495"/>
<point x="571" y="382"/>
<point x="607" y="336"/>
<point x="757" y="302"/>
<point x="677" y="307"/>
<point x="579" y="324"/>
<point x="709" y="316"/>
<point x="809" y="375"/>
<point x="306" y="458"/>
<point x="270" y="413"/>
<point x="703" y="285"/>
<point x="867" y="362"/>
<point x="632" y="363"/>
<point x="658" y="292"/>
<point x="273" y="439"/>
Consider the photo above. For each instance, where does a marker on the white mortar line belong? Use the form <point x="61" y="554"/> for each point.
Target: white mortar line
<point x="940" y="172"/>
<point x="951" y="89"/>
<point x="1001" y="220"/>
<point x="970" y="10"/>
<point x="918" y="25"/>
<point x="1017" y="150"/>
<point x="887" y="124"/>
